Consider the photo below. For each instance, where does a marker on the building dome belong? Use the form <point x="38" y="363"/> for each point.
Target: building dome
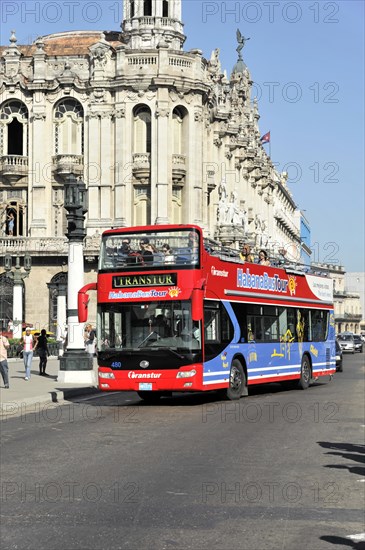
<point x="239" y="67"/>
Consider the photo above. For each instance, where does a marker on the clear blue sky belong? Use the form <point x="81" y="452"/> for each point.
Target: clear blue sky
<point x="307" y="61"/>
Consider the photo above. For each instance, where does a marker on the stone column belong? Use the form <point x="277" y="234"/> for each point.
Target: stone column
<point x="106" y="167"/>
<point x="40" y="149"/>
<point x="61" y="312"/>
<point x="17" y="309"/>
<point x="17" y="275"/>
<point x="120" y="179"/>
<point x="94" y="169"/>
<point x="162" y="155"/>
<point x="75" y="282"/>
<point x="195" y="175"/>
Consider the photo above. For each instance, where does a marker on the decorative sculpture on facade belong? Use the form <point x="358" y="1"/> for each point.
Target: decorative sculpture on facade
<point x="229" y="212"/>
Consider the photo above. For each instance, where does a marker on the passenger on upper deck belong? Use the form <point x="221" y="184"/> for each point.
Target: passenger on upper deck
<point x="245" y="254"/>
<point x="125" y="249"/>
<point x="168" y="255"/>
<point x="193" y="244"/>
<point x="263" y="259"/>
<point x="146" y="250"/>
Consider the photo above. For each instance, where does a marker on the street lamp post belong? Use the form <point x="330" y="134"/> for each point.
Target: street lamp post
<point x="17" y="276"/>
<point x="75" y="364"/>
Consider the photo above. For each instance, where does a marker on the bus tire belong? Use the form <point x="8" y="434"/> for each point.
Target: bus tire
<point x="150" y="396"/>
<point x="305" y="373"/>
<point x="237" y="381"/>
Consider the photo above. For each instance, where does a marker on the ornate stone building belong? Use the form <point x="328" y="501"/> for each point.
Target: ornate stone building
<point x="159" y="135"/>
<point x="347" y="302"/>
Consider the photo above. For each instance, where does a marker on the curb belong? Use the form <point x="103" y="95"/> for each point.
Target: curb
<point x="18" y="407"/>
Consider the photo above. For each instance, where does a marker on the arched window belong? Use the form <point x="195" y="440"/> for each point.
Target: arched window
<point x="142" y="129"/>
<point x="142" y="206"/>
<point x="131" y="9"/>
<point x="6" y="301"/>
<point x="147" y="7"/>
<point x="179" y="129"/>
<point x="13" y="219"/>
<point x="14" y="128"/>
<point x="57" y="287"/>
<point x="176" y="205"/>
<point x="165" y="8"/>
<point x="69" y="127"/>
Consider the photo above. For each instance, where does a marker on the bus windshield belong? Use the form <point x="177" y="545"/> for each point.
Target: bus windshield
<point x="131" y="327"/>
<point x="155" y="249"/>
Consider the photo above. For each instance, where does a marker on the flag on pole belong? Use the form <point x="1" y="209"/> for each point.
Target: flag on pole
<point x="265" y="138"/>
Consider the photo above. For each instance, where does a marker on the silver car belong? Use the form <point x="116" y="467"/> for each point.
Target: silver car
<point x="358" y="343"/>
<point x="346" y="342"/>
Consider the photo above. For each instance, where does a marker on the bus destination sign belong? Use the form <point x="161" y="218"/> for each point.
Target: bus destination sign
<point x="134" y="281"/>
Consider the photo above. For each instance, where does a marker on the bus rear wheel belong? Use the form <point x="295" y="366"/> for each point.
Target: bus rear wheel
<point x="150" y="396"/>
<point x="237" y="381"/>
<point x="305" y="373"/>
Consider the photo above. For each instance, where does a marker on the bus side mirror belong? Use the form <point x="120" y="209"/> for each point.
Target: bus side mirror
<point x="197" y="304"/>
<point x="82" y="306"/>
<point x="83" y="302"/>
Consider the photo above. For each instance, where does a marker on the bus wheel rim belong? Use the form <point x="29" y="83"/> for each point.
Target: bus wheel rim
<point x="236" y="378"/>
<point x="306" y="371"/>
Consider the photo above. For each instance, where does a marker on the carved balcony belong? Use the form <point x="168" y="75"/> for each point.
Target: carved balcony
<point x="13" y="167"/>
<point x="63" y="165"/>
<point x="141" y="167"/>
<point x="178" y="169"/>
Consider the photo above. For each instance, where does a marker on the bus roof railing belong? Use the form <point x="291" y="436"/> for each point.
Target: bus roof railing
<point x="276" y="259"/>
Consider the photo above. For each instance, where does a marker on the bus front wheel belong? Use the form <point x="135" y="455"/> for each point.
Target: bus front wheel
<point x="237" y="381"/>
<point x="305" y="373"/>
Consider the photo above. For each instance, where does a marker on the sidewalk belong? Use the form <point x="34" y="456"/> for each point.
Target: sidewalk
<point x="23" y="394"/>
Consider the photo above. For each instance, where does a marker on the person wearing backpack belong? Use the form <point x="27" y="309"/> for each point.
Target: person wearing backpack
<point x="43" y="352"/>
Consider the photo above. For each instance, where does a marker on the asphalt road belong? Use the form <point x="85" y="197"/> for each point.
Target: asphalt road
<point x="280" y="469"/>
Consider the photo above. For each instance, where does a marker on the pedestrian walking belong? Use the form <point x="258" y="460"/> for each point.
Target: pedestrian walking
<point x="43" y="352"/>
<point x="28" y="348"/>
<point x="90" y="341"/>
<point x="4" y="367"/>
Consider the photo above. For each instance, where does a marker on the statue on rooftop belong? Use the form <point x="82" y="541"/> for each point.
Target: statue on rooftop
<point x="241" y="42"/>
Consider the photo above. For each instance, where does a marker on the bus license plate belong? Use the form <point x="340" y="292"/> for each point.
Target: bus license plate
<point x="144" y="386"/>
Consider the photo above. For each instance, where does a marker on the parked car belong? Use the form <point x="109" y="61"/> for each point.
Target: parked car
<point x="339" y="367"/>
<point x="358" y="342"/>
<point x="347" y="342"/>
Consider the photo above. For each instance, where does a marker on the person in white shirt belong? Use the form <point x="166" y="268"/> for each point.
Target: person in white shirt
<point x="28" y="345"/>
<point x="168" y="255"/>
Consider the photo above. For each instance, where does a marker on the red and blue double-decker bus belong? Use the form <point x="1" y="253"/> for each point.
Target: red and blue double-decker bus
<point x="177" y="313"/>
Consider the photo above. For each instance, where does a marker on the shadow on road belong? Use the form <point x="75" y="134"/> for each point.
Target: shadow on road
<point x="186" y="399"/>
<point x="348" y="451"/>
<point x="344" y="542"/>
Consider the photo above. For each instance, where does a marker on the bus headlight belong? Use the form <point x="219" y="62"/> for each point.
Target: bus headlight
<point x="186" y="374"/>
<point x="106" y="375"/>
